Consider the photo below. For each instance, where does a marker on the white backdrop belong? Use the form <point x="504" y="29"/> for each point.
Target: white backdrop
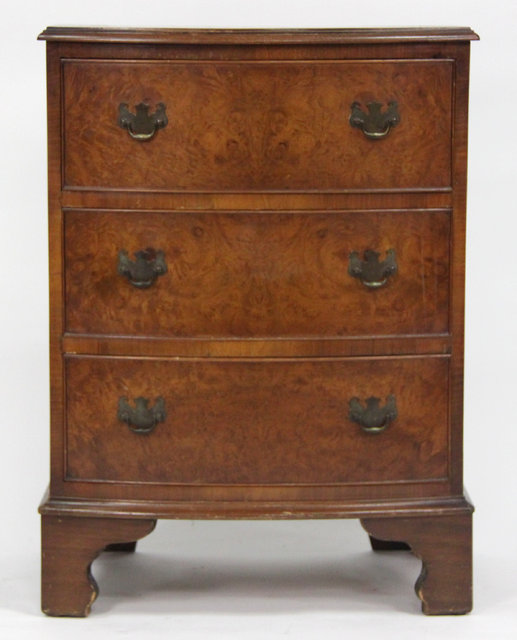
<point x="227" y="580"/>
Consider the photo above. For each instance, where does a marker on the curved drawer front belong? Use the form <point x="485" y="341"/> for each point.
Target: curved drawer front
<point x="257" y="274"/>
<point x="257" y="126"/>
<point x="255" y="422"/>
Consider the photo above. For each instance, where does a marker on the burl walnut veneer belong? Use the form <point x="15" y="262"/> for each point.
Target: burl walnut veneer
<point x="257" y="281"/>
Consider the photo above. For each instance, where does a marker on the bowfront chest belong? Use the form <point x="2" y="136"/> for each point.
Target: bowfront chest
<point x="257" y="283"/>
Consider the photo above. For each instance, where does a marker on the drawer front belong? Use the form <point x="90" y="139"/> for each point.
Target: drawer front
<point x="257" y="274"/>
<point x="255" y="422"/>
<point x="235" y="126"/>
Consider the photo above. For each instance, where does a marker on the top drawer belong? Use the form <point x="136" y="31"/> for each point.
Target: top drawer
<point x="257" y="126"/>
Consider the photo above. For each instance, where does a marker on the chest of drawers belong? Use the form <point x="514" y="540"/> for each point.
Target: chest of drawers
<point x="257" y="280"/>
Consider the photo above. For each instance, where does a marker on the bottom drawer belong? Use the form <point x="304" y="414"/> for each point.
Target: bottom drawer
<point x="257" y="422"/>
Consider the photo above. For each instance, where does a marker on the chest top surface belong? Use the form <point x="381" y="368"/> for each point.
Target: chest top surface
<point x="257" y="36"/>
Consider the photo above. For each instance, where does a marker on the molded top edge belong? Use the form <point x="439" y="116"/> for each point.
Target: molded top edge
<point x="257" y="36"/>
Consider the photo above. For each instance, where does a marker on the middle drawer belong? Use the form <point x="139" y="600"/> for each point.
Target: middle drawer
<point x="257" y="274"/>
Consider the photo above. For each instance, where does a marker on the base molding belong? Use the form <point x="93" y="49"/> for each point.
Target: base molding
<point x="75" y="532"/>
<point x="248" y="510"/>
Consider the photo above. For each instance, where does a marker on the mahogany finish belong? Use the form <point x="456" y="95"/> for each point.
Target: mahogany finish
<point x="444" y="544"/>
<point x="257" y="336"/>
<point x="257" y="36"/>
<point x="257" y="274"/>
<point x="69" y="546"/>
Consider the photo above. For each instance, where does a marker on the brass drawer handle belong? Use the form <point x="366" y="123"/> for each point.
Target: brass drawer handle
<point x="372" y="273"/>
<point x="375" y="124"/>
<point x="141" y="418"/>
<point x="142" y="272"/>
<point x="373" y="418"/>
<point x="141" y="125"/>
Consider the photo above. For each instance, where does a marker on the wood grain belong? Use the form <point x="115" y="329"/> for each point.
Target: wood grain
<point x="86" y="344"/>
<point x="458" y="229"/>
<point x="69" y="545"/>
<point x="257" y="126"/>
<point x="263" y="508"/>
<point x="256" y="422"/>
<point x="255" y="337"/>
<point x="56" y="279"/>
<point x="257" y="36"/>
<point x="257" y="274"/>
<point x="444" y="544"/>
<point x="416" y="199"/>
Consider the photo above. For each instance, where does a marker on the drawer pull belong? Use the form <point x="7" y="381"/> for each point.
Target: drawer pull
<point x="141" y="125"/>
<point x="375" y="124"/>
<point x="373" y="418"/>
<point x="142" y="272"/>
<point x="141" y="418"/>
<point x="370" y="271"/>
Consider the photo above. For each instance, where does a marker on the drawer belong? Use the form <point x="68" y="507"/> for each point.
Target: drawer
<point x="257" y="126"/>
<point x="256" y="422"/>
<point x="256" y="274"/>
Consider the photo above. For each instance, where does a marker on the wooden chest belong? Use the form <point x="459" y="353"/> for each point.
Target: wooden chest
<point x="257" y="281"/>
